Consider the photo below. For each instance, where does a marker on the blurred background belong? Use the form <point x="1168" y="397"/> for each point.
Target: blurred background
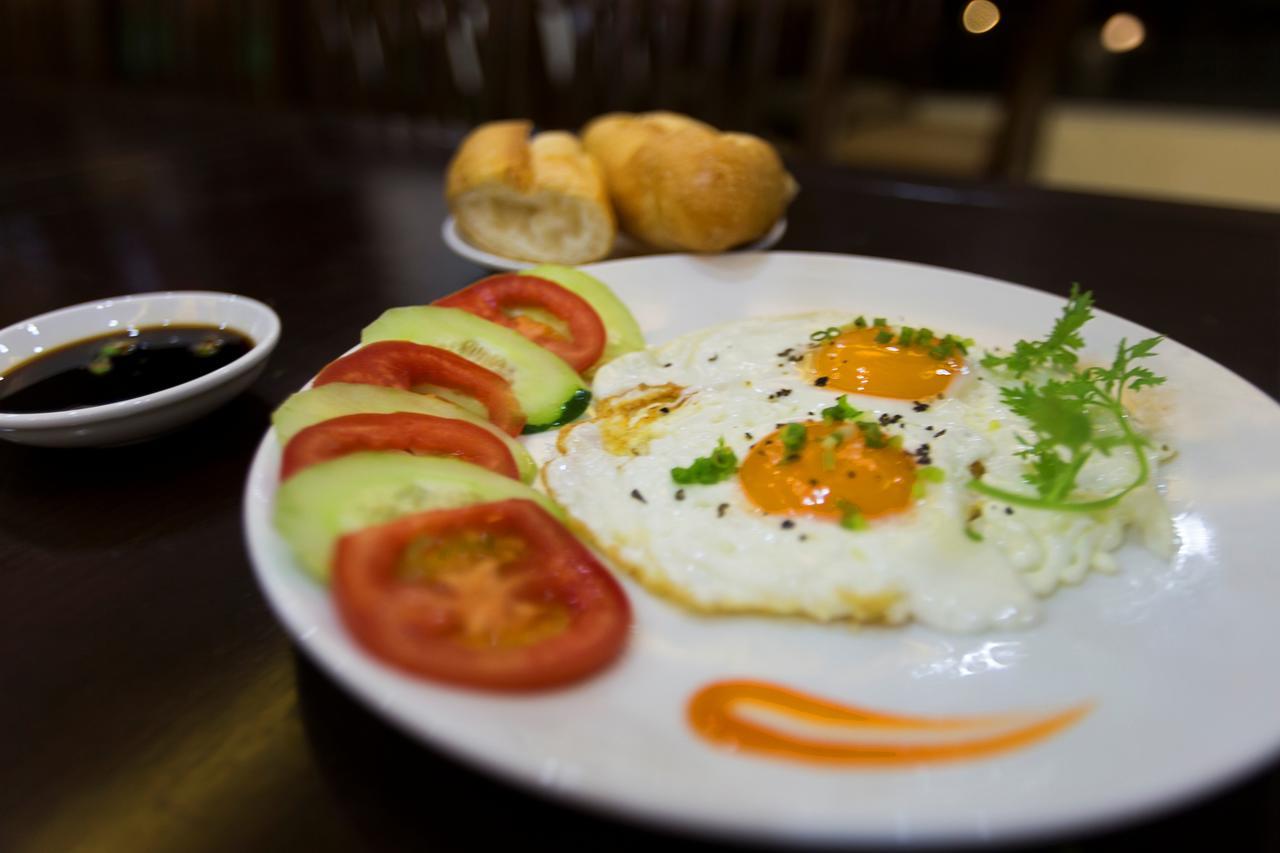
<point x="1172" y="100"/>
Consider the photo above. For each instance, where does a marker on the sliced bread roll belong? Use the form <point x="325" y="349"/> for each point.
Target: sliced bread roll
<point x="541" y="199"/>
<point x="677" y="183"/>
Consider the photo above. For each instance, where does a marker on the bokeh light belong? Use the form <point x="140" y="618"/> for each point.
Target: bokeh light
<point x="1123" y="32"/>
<point x="980" y="16"/>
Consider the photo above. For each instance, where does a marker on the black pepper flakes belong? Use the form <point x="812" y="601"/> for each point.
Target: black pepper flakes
<point x="821" y="381"/>
<point x="940" y="433"/>
<point x="635" y="493"/>
<point x="786" y="352"/>
<point x="714" y="357"/>
<point x="804" y="537"/>
<point x="665" y="410"/>
<point x="721" y="510"/>
<point x="788" y="524"/>
<point x="920" y="407"/>
<point x="748" y="435"/>
<point x="1008" y="510"/>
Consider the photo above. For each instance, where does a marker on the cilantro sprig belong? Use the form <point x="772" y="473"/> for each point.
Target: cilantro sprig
<point x="1074" y="414"/>
<point x="1056" y="351"/>
<point x="720" y="464"/>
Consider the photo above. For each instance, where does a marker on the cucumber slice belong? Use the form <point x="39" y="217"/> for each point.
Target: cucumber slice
<point x="622" y="330"/>
<point x="346" y="398"/>
<point x="550" y="392"/>
<point x="320" y="503"/>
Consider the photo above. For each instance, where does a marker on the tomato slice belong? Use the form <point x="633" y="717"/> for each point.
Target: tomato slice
<point x="497" y="595"/>
<point x="496" y="297"/>
<point x="422" y="434"/>
<point x="401" y="364"/>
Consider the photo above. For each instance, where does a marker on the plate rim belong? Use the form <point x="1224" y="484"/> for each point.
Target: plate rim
<point x="1151" y="804"/>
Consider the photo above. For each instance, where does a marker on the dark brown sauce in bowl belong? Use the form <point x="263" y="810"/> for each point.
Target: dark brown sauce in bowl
<point x="118" y="366"/>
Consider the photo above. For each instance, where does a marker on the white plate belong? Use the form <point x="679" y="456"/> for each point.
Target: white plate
<point x="1179" y="658"/>
<point x="623" y="247"/>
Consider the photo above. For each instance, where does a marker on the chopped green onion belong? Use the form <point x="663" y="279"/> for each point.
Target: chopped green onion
<point x="884" y="337"/>
<point x="872" y="435"/>
<point x="851" y="518"/>
<point x="112" y="349"/>
<point x="931" y="474"/>
<point x="206" y="348"/>
<point x="860" y="322"/>
<point x="829" y="445"/>
<point x="720" y="464"/>
<point x="973" y="534"/>
<point x="923" y="337"/>
<point x="841" y="411"/>
<point x="905" y="336"/>
<point x="793" y="439"/>
<point x="828" y="458"/>
<point x="880" y="321"/>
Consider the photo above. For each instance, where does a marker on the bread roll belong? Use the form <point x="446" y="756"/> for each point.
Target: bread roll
<point x="677" y="183"/>
<point x="539" y="200"/>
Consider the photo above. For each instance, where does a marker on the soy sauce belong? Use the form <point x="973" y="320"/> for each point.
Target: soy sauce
<point x="118" y="366"/>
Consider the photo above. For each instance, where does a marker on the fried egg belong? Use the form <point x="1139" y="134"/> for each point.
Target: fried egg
<point x="864" y="517"/>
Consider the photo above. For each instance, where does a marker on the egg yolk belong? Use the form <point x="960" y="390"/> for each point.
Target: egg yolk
<point x="853" y="361"/>
<point x="834" y="469"/>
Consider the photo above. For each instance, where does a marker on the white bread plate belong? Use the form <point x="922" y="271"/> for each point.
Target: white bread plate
<point x="623" y="247"/>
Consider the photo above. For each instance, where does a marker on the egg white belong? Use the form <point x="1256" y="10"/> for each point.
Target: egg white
<point x="708" y="547"/>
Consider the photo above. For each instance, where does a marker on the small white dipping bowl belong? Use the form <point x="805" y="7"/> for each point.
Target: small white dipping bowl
<point x="151" y="414"/>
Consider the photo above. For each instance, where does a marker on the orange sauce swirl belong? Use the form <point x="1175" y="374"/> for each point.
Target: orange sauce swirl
<point x="715" y="713"/>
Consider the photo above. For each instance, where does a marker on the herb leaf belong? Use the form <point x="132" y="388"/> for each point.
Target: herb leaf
<point x="1075" y="416"/>
<point x="1056" y="351"/>
<point x="720" y="464"/>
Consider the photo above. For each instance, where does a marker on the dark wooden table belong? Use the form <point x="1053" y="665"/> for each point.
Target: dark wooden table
<point x="148" y="699"/>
